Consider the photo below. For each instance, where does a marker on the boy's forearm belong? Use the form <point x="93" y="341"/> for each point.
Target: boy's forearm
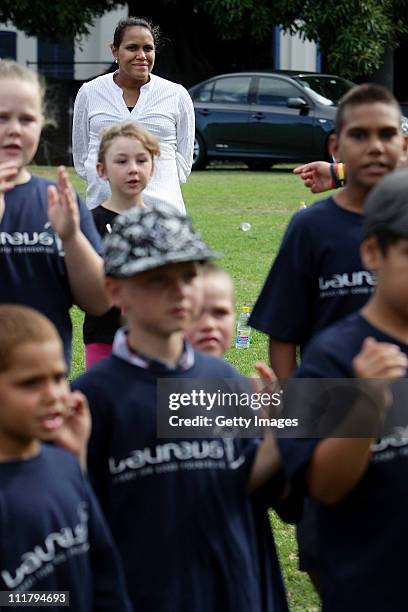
<point x="266" y="463"/>
<point x="336" y="467"/>
<point x="282" y="357"/>
<point x="85" y="274"/>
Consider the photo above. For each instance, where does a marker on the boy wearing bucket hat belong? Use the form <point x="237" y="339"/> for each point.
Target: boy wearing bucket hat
<point x="179" y="509"/>
<point x="361" y="482"/>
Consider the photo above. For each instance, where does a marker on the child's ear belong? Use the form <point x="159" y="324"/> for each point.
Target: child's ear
<point x="370" y="253"/>
<point x="101" y="171"/>
<point x="112" y="288"/>
<point x="333" y="146"/>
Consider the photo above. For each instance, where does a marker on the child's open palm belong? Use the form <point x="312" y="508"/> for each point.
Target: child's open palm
<point x="63" y="211"/>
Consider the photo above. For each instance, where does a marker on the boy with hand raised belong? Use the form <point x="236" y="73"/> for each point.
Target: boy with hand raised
<point x="180" y="509"/>
<point x="360" y="483"/>
<point x="317" y="277"/>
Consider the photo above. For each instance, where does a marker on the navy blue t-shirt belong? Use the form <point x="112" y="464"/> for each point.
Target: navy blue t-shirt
<point x="32" y="267"/>
<point x="179" y="510"/>
<point x="53" y="536"/>
<point x="317" y="277"/>
<point x="363" y="539"/>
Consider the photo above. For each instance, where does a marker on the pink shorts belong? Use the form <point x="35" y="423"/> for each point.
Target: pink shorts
<point x="95" y="352"/>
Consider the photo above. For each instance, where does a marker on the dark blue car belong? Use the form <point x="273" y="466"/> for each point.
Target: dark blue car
<point x="262" y="118"/>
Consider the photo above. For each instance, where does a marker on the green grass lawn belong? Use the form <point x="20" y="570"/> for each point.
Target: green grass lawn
<point x="219" y="200"/>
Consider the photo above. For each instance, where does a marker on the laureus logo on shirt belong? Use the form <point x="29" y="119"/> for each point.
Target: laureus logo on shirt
<point x="360" y="281"/>
<point x="28" y="242"/>
<point x="391" y="446"/>
<point x="55" y="549"/>
<point x="173" y="456"/>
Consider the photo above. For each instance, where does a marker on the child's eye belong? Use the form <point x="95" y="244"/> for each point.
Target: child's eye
<point x="27" y="119"/>
<point x="190" y="276"/>
<point x="388" y="133"/>
<point x="357" y="134"/>
<point x="29" y="383"/>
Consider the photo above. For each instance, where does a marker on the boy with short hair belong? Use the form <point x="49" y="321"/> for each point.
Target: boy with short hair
<point x="361" y="483"/>
<point x="52" y="533"/>
<point x="179" y="509"/>
<point x="317" y="276"/>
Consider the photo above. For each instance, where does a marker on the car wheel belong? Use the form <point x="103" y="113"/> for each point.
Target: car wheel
<point x="199" y="154"/>
<point x="258" y="164"/>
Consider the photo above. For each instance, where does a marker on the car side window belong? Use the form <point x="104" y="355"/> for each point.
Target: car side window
<point x="275" y="92"/>
<point x="233" y="90"/>
<point x="204" y="93"/>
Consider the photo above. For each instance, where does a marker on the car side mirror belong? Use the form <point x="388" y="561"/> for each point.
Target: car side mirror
<point x="297" y="103"/>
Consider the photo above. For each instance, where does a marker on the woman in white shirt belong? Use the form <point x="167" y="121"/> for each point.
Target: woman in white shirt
<point x="134" y="93"/>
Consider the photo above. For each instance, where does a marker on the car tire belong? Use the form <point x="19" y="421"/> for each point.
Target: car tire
<point x="199" y="154"/>
<point x="258" y="164"/>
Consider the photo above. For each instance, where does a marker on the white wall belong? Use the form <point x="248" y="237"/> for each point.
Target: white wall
<point x="95" y="47"/>
<point x="296" y="54"/>
<point x="26" y="45"/>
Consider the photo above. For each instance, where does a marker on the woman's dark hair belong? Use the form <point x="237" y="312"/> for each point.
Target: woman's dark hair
<point x="141" y="22"/>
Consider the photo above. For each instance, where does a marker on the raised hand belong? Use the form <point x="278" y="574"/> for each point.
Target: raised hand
<point x="380" y="360"/>
<point x="316" y="176"/>
<point x="63" y="212"/>
<point x="74" y="434"/>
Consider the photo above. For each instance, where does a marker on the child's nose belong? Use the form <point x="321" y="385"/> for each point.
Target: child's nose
<point x="207" y="321"/>
<point x="14" y="126"/>
<point x="52" y="392"/>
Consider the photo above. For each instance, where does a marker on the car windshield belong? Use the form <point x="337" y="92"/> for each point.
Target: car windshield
<point x="331" y="88"/>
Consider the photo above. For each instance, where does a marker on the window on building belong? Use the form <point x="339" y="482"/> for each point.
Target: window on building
<point x="56" y="59"/>
<point x="8" y="45"/>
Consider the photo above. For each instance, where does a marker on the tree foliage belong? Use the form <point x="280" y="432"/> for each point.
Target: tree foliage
<point x="353" y="35"/>
<point x="54" y="19"/>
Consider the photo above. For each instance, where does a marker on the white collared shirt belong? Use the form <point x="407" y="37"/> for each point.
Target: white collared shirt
<point x="164" y="108"/>
<point x="122" y="349"/>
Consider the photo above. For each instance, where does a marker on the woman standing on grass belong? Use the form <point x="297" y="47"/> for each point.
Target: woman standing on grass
<point x="134" y="93"/>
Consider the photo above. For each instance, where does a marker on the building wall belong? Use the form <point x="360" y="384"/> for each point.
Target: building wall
<point x="93" y="48"/>
<point x="96" y="46"/>
<point x="26" y="45"/>
<point x="293" y="53"/>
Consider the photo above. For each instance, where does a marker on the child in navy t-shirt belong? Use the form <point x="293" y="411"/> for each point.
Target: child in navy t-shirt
<point x="180" y="509"/>
<point x="47" y="236"/>
<point x="317" y="277"/>
<point x="53" y="536"/>
<point x="360" y="483"/>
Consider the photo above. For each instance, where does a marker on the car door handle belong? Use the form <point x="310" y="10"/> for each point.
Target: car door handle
<point x="203" y="111"/>
<point x="258" y="115"/>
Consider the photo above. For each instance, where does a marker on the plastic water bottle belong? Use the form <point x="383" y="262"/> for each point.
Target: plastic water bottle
<point x="243" y="337"/>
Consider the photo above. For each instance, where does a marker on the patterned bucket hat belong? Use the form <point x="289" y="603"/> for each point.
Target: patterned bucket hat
<point x="148" y="238"/>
